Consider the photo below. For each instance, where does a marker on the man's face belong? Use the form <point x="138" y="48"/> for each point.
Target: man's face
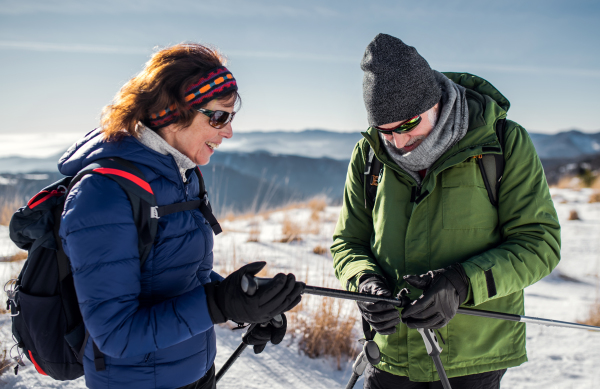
<point x="408" y="141"/>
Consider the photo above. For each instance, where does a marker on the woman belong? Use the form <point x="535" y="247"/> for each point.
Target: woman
<point x="154" y="324"/>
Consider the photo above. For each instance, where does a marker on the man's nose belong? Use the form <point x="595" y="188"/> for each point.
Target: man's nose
<point x="400" y="140"/>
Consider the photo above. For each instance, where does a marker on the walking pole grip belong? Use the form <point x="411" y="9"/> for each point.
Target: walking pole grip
<point x="251" y="284"/>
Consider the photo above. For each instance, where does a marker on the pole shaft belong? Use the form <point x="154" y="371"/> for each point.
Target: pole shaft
<point x="336" y="293"/>
<point x="342" y="294"/>
<point x="526" y="319"/>
<point x="441" y="372"/>
<point x="352" y="381"/>
<point x="238" y="351"/>
<point x="493" y="315"/>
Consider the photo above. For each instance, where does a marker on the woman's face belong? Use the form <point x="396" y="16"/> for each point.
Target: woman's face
<point x="199" y="141"/>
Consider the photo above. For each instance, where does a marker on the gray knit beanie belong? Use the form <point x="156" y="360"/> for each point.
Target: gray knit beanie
<point x="398" y="83"/>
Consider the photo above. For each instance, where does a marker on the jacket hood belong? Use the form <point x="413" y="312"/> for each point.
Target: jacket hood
<point x="92" y="147"/>
<point x="480" y="86"/>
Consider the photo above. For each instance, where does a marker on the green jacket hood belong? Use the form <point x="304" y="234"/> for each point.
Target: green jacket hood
<point x="480" y="86"/>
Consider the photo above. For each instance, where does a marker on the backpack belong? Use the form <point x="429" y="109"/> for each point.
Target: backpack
<point x="46" y="322"/>
<point x="490" y="165"/>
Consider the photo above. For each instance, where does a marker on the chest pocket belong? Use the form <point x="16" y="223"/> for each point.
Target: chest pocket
<point x="466" y="205"/>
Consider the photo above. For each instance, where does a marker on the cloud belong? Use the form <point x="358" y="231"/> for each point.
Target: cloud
<point x="501" y="68"/>
<point x="72" y="48"/>
<point x="244" y="8"/>
<point x="294" y="56"/>
<point x="130" y="50"/>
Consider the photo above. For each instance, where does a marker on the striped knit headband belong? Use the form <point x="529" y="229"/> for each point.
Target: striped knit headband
<point x="217" y="82"/>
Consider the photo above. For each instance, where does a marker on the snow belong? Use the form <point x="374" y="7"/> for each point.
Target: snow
<point x="558" y="357"/>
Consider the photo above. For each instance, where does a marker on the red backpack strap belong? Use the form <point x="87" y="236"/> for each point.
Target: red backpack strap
<point x="139" y="192"/>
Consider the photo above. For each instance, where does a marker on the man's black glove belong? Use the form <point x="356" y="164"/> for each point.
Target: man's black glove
<point x="227" y="301"/>
<point x="382" y="316"/>
<point x="262" y="334"/>
<point x="443" y="292"/>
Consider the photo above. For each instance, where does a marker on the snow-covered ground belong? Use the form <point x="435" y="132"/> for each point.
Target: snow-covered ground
<point x="558" y="358"/>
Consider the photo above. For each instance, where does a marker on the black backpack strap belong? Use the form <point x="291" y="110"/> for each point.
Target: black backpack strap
<point x="205" y="207"/>
<point x="373" y="167"/>
<point x="139" y="192"/>
<point x="492" y="166"/>
<point x="98" y="358"/>
<point x="81" y="352"/>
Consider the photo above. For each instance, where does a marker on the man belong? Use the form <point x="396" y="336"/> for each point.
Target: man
<point x="432" y="215"/>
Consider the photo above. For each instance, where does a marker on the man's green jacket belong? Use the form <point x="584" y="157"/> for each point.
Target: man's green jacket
<point x="502" y="249"/>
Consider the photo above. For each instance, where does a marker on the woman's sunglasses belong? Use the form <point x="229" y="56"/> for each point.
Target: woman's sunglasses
<point x="403" y="128"/>
<point x="217" y="119"/>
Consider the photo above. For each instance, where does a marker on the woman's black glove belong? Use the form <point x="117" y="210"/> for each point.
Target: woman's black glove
<point x="444" y="290"/>
<point x="261" y="334"/>
<point x="382" y="317"/>
<point x="227" y="301"/>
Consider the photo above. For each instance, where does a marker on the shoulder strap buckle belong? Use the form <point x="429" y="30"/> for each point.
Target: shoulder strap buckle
<point x="154" y="213"/>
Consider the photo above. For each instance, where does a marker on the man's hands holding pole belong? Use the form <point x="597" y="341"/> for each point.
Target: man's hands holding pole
<point x="383" y="317"/>
<point x="444" y="290"/>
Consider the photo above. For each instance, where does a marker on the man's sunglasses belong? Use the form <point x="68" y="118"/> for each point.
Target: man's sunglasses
<point x="403" y="128"/>
<point x="217" y="119"/>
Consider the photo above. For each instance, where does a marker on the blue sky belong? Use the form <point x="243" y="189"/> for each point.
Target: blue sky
<point x="297" y="62"/>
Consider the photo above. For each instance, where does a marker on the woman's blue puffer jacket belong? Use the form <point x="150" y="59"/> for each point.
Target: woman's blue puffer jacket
<point x="152" y="323"/>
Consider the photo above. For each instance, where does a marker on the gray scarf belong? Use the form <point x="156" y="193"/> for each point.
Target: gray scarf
<point x="451" y="126"/>
<point x="154" y="141"/>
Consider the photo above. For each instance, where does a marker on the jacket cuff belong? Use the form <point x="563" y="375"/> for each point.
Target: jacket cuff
<point x="216" y="315"/>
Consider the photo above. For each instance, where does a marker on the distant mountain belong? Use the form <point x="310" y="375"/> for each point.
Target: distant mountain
<point x="235" y="181"/>
<point x="263" y="169"/>
<point x="568" y="144"/>
<point x="307" y="143"/>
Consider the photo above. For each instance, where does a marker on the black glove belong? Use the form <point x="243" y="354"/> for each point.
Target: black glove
<point x="382" y="316"/>
<point x="227" y="301"/>
<point x="261" y="334"/>
<point x="443" y="292"/>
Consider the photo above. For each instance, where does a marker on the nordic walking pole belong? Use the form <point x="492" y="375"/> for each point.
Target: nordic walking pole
<point x="434" y="350"/>
<point x="357" y="369"/>
<point x="251" y="284"/>
<point x="369" y="354"/>
<point x="238" y="351"/>
<point x="277" y="322"/>
<point x="255" y="282"/>
<point x="526" y="319"/>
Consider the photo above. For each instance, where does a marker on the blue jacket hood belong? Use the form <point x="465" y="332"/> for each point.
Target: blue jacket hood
<point x="93" y="147"/>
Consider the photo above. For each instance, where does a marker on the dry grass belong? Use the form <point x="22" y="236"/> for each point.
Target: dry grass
<point x="573" y="215"/>
<point x="569" y="182"/>
<point x="317" y="204"/>
<point x="21" y="255"/>
<point x="320" y="250"/>
<point x="326" y="329"/>
<point x="5" y="362"/>
<point x="7" y="209"/>
<point x="290" y="231"/>
<point x="595" y="197"/>
<point x="254" y="233"/>
<point x="594" y="315"/>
